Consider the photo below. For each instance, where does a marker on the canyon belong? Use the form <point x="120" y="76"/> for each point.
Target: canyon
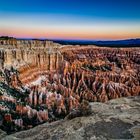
<point x="43" y="81"/>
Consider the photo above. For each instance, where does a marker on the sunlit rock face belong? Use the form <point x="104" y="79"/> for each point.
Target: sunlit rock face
<point x="34" y="52"/>
<point x="48" y="82"/>
<point x="30" y="57"/>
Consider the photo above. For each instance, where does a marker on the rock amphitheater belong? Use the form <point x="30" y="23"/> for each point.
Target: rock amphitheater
<point x="42" y="81"/>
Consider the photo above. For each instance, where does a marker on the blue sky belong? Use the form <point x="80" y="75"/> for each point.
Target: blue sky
<point x="71" y="14"/>
<point x="120" y="9"/>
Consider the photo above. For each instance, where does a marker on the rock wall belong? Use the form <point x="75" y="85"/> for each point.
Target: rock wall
<point x="18" y="43"/>
<point x="30" y="55"/>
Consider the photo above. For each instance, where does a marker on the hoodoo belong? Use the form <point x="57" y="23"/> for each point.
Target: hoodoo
<point x="42" y="81"/>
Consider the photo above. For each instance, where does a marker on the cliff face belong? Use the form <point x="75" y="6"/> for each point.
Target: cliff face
<point x="28" y="56"/>
<point x="19" y="43"/>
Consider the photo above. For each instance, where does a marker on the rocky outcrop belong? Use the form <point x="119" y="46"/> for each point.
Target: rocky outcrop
<point x="112" y="120"/>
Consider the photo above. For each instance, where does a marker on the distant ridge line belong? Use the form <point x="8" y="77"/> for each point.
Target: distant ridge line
<point x="109" y="43"/>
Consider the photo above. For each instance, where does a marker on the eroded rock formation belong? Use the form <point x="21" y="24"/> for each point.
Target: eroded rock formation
<point x="112" y="120"/>
<point x="30" y="56"/>
<point x="48" y="83"/>
<point x="101" y="74"/>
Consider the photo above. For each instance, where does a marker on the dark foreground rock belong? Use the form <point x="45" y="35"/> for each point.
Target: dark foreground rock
<point x="116" y="119"/>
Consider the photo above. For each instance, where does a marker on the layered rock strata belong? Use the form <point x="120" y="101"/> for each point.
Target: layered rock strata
<point x="30" y="56"/>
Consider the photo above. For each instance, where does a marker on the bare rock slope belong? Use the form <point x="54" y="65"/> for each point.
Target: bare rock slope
<point x="116" y="119"/>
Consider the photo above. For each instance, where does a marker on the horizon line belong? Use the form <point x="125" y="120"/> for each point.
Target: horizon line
<point x="33" y="38"/>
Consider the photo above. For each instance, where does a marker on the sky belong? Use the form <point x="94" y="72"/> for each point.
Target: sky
<point x="70" y="19"/>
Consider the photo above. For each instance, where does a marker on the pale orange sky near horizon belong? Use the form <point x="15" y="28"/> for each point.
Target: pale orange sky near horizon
<point x="67" y="28"/>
